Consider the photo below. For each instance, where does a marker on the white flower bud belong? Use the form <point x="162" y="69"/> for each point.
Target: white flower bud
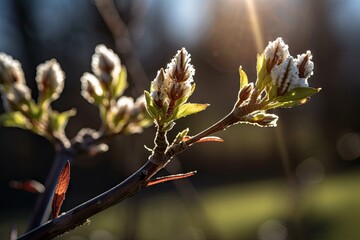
<point x="10" y="70"/>
<point x="305" y="65"/>
<point x="275" y="53"/>
<point x="50" y="80"/>
<point x="122" y="109"/>
<point x="91" y="88"/>
<point x="285" y="76"/>
<point x="105" y="64"/>
<point x="161" y="88"/>
<point x="15" y="96"/>
<point x="180" y="69"/>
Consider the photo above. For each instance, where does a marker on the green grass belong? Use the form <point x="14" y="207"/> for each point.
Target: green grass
<point x="329" y="210"/>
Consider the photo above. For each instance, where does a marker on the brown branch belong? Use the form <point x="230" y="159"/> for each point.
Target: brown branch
<point x="125" y="189"/>
<point x="78" y="215"/>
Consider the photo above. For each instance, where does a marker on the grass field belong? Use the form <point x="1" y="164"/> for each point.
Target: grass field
<point x="329" y="210"/>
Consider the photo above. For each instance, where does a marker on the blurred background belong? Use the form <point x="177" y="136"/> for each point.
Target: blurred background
<point x="298" y="181"/>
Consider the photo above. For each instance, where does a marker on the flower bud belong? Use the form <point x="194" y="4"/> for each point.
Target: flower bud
<point x="269" y="120"/>
<point x="275" y="53"/>
<point x="261" y="118"/>
<point x="161" y="87"/>
<point x="245" y="92"/>
<point x="121" y="112"/>
<point x="305" y="65"/>
<point x="123" y="106"/>
<point x="139" y="107"/>
<point x="91" y="88"/>
<point x="180" y="69"/>
<point x="10" y="70"/>
<point x="50" y="80"/>
<point x="16" y="96"/>
<point x="105" y="64"/>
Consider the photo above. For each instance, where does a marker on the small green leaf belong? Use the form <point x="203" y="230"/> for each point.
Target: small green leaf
<point x="149" y="104"/>
<point x="180" y="136"/>
<point x="263" y="77"/>
<point x="120" y="84"/>
<point x="36" y="111"/>
<point x="289" y="104"/>
<point x="58" y="121"/>
<point x="188" y="109"/>
<point x="14" y="119"/>
<point x="272" y="92"/>
<point x="243" y="78"/>
<point x="298" y="94"/>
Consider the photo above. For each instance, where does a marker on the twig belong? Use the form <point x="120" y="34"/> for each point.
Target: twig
<point x="81" y="213"/>
<point x="127" y="188"/>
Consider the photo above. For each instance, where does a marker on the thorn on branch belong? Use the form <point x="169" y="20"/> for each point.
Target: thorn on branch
<point x="169" y="178"/>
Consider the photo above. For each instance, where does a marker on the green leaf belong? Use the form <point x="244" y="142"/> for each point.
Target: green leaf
<point x="119" y="86"/>
<point x="289" y="104"/>
<point x="243" y="78"/>
<point x="180" y="136"/>
<point x="298" y="94"/>
<point x="150" y="106"/>
<point x="188" y="109"/>
<point x="36" y="111"/>
<point x="273" y="91"/>
<point x="14" y="119"/>
<point x="58" y="121"/>
<point x="263" y="77"/>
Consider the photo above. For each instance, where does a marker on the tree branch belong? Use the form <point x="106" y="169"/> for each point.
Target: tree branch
<point x="140" y="179"/>
<point x="78" y="215"/>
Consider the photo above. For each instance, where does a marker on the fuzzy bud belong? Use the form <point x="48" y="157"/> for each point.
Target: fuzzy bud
<point x="10" y="70"/>
<point x="180" y="69"/>
<point x="161" y="86"/>
<point x="50" y="80"/>
<point x="305" y="65"/>
<point x="123" y="107"/>
<point x="16" y="96"/>
<point x="261" y="118"/>
<point x="245" y="92"/>
<point x="105" y="64"/>
<point x="275" y="53"/>
<point x="91" y="88"/>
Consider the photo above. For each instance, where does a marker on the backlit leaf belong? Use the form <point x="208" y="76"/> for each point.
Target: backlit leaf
<point x="188" y="109"/>
<point x="297" y="94"/>
<point x="60" y="190"/>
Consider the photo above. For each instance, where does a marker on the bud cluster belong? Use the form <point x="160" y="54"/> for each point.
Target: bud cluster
<point x="105" y="88"/>
<point x="282" y="81"/>
<point x="106" y="82"/>
<point x="22" y="110"/>
<point x="173" y="83"/>
<point x="15" y="93"/>
<point x="287" y="72"/>
<point x="170" y="90"/>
